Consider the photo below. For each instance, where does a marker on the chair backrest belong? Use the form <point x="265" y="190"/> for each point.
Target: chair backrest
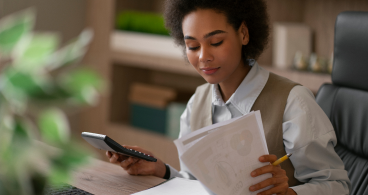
<point x="345" y="101"/>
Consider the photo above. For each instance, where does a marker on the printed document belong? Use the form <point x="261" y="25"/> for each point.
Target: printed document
<point x="223" y="155"/>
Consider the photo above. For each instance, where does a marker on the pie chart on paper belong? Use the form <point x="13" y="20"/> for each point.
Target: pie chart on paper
<point x="242" y="142"/>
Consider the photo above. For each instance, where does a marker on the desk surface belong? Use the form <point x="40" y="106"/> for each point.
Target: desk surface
<point x="106" y="178"/>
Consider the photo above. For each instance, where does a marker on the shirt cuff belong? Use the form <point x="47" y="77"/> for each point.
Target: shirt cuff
<point x="174" y="172"/>
<point x="322" y="188"/>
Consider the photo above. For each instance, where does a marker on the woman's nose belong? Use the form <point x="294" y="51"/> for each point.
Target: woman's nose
<point x="205" y="55"/>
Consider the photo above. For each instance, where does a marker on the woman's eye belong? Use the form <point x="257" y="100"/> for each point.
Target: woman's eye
<point x="217" y="44"/>
<point x="193" y="48"/>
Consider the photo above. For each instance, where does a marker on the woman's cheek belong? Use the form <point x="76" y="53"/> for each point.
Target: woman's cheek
<point x="229" y="54"/>
<point x="193" y="60"/>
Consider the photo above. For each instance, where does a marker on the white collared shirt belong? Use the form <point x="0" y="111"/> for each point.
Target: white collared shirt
<point x="307" y="132"/>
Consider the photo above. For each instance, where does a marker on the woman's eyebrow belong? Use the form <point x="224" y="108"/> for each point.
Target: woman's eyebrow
<point x="213" y="33"/>
<point x="206" y="35"/>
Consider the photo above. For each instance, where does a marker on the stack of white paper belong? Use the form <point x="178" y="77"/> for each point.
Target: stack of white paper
<point x="177" y="186"/>
<point x="223" y="155"/>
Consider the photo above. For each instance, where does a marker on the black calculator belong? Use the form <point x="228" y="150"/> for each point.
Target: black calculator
<point x="103" y="142"/>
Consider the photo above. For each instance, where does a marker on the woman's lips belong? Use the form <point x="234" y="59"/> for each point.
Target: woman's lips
<point x="209" y="71"/>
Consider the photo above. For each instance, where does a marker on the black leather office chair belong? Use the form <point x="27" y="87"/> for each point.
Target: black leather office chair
<point x="345" y="101"/>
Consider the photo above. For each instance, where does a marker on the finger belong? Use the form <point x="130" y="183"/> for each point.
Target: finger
<point x="122" y="157"/>
<point x="114" y="158"/>
<point x="268" y="158"/>
<point x="142" y="167"/>
<point x="266" y="169"/>
<point x="108" y="154"/>
<point x="280" y="189"/>
<point x="128" y="162"/>
<point x="135" y="169"/>
<point x="270" y="181"/>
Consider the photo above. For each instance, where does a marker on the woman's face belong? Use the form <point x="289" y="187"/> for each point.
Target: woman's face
<point x="213" y="46"/>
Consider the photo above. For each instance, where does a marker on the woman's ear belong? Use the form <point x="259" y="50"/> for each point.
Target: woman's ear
<point x="244" y="33"/>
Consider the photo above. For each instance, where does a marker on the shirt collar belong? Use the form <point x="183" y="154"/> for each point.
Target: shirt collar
<point x="247" y="92"/>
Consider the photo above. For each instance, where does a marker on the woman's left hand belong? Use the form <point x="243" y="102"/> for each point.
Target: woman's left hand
<point x="279" y="180"/>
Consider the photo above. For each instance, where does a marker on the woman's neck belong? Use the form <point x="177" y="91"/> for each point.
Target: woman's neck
<point x="229" y="86"/>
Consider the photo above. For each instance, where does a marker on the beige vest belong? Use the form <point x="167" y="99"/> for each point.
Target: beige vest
<point x="271" y="102"/>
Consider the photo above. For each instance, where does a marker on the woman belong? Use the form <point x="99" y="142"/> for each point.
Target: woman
<point x="222" y="39"/>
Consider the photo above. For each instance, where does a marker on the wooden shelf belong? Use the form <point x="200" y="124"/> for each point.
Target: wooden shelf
<point x="312" y="81"/>
<point x="153" y="52"/>
<point x="157" y="52"/>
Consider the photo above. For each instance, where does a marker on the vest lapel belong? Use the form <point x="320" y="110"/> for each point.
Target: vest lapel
<point x="272" y="102"/>
<point x="201" y="115"/>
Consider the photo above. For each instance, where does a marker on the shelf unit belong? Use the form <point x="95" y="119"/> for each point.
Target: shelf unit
<point x="161" y="54"/>
<point x="121" y="61"/>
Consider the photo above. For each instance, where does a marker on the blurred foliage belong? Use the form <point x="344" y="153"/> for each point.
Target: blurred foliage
<point x="38" y="80"/>
<point x="141" y="22"/>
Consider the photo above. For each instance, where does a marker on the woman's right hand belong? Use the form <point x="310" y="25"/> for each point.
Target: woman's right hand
<point x="136" y="166"/>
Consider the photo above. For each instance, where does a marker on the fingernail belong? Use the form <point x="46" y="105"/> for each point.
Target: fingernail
<point x="262" y="158"/>
<point x="252" y="188"/>
<point x="253" y="173"/>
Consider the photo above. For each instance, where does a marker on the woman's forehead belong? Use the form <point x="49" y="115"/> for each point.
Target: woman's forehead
<point x="203" y="21"/>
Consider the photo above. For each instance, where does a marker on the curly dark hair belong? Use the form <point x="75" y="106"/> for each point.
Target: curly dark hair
<point x="252" y="12"/>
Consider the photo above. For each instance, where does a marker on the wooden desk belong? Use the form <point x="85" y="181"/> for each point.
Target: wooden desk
<point x="106" y="178"/>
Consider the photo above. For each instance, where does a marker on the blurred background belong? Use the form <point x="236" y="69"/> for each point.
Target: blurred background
<point x="149" y="82"/>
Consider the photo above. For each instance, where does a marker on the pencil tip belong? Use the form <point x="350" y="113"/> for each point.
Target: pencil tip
<point x="288" y="155"/>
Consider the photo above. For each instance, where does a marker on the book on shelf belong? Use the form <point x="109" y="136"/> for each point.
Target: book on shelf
<point x="153" y="108"/>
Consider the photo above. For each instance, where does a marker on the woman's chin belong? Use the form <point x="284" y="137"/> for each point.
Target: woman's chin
<point x="211" y="80"/>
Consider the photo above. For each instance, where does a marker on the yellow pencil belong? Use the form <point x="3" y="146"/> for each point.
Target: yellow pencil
<point x="282" y="159"/>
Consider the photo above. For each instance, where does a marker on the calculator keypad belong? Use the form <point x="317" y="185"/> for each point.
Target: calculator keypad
<point x="141" y="154"/>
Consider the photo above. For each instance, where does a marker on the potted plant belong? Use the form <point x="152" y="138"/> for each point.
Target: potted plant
<point x="39" y="84"/>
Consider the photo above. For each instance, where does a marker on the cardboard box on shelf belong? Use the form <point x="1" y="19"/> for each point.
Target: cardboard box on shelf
<point x="151" y="95"/>
<point x="289" y="38"/>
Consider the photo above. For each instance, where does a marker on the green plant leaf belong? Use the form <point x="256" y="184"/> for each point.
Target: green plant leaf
<point x="54" y="126"/>
<point x="37" y="87"/>
<point x="6" y="132"/>
<point x="34" y="52"/>
<point x="72" y="52"/>
<point x="24" y="81"/>
<point x="16" y="99"/>
<point x="21" y="135"/>
<point x="14" y="27"/>
<point x="53" y="93"/>
<point x="84" y="84"/>
<point x="73" y="155"/>
<point x="59" y="175"/>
